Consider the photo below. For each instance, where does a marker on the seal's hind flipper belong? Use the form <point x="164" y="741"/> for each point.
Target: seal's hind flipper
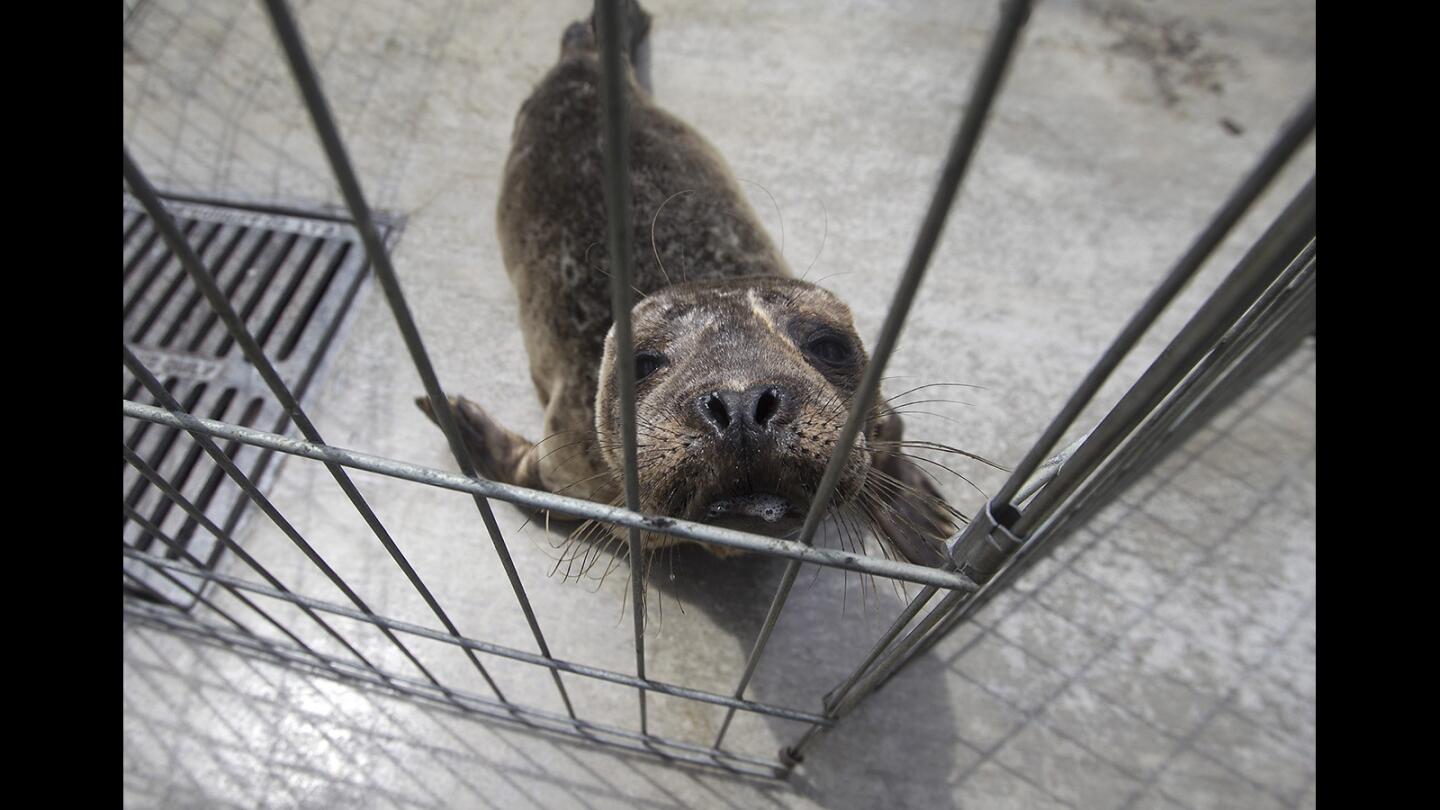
<point x="582" y="36"/>
<point x="637" y="25"/>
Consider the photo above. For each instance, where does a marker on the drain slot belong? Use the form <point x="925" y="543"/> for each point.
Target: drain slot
<point x="292" y="277"/>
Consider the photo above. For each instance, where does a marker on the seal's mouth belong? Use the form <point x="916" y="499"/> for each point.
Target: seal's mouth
<point x="761" y="513"/>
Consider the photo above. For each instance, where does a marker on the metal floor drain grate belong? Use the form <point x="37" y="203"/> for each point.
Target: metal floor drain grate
<point x="292" y="276"/>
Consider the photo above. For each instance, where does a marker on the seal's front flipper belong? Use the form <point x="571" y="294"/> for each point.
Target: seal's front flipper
<point x="501" y="455"/>
<point x="498" y="453"/>
<point x="913" y="517"/>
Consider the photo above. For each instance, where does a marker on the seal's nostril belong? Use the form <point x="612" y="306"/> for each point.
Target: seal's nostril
<point x="733" y="413"/>
<point x="719" y="414"/>
<point x="766" y="406"/>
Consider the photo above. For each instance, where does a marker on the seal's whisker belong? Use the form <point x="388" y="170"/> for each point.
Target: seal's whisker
<point x="823" y="237"/>
<point x="943" y="448"/>
<point x="897" y="405"/>
<point x="580" y="551"/>
<point x="602" y="271"/>
<point x="861" y="516"/>
<point x="780" y="216"/>
<point x="868" y="502"/>
<point x="649" y="555"/>
<point x="818" y="281"/>
<point x="566" y="549"/>
<point x="890" y="512"/>
<point x="618" y="543"/>
<point x="864" y="505"/>
<point x="933" y="385"/>
<point x="558" y="433"/>
<point x="860" y="546"/>
<point x="594" y="547"/>
<point x="898" y="454"/>
<point x="914" y="457"/>
<point x="939" y="416"/>
<point x="553" y="451"/>
<point x="857" y="546"/>
<point x="610" y="474"/>
<point x="896" y="487"/>
<point x="655" y="219"/>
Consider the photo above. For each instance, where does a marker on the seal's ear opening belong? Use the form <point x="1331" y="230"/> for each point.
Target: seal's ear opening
<point x="915" y="519"/>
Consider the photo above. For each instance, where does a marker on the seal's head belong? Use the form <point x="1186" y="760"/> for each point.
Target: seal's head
<point x="742" y="388"/>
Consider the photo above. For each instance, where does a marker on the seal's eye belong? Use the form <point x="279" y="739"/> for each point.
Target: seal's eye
<point x="830" y="348"/>
<point x="647" y="363"/>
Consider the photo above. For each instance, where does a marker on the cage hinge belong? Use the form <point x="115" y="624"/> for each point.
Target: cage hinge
<point x="987" y="543"/>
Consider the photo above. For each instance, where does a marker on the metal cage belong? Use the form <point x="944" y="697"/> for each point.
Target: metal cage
<point x="1260" y="311"/>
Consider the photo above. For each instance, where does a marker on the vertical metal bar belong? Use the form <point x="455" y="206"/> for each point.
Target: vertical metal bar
<point x="952" y="610"/>
<point x="1291" y="136"/>
<point x="794" y="753"/>
<point x="308" y="83"/>
<point x="1267" y="346"/>
<point x="205" y="282"/>
<point x="1217" y="370"/>
<point x="896" y="656"/>
<point x="1189" y="405"/>
<point x="1045" y="537"/>
<point x="610" y="24"/>
<point x="1013" y="16"/>
<point x="1261" y="265"/>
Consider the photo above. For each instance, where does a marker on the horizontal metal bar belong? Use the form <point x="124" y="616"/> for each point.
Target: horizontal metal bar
<point x="174" y="495"/>
<point x="548" y="501"/>
<point x="180" y="550"/>
<point x="455" y="699"/>
<point x="481" y="646"/>
<point x="1155" y="438"/>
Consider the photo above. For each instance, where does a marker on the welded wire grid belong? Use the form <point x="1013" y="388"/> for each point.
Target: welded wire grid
<point x="295" y="278"/>
<point x="1259" y="314"/>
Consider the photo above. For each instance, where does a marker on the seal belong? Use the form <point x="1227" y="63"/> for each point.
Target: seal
<point x="744" y="374"/>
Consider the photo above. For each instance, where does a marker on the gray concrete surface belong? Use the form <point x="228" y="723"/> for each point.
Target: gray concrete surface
<point x="1164" y="658"/>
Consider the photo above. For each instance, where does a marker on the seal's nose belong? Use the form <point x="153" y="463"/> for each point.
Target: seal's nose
<point x="756" y="410"/>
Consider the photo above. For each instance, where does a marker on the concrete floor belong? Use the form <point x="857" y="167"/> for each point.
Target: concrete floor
<point x="1164" y="658"/>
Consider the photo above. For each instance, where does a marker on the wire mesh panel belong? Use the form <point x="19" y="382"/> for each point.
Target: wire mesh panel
<point x="1257" y="313"/>
<point x="292" y="279"/>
